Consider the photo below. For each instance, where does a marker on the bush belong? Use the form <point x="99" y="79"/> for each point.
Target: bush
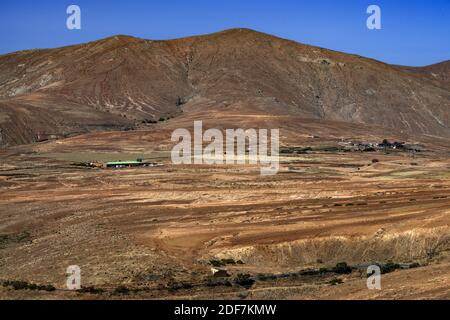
<point x="216" y="263"/>
<point x="121" y="290"/>
<point x="335" y="281"/>
<point x="224" y="262"/>
<point x="212" y="282"/>
<point x="323" y="270"/>
<point x="244" y="280"/>
<point x="3" y="238"/>
<point x="228" y="261"/>
<point x="47" y="287"/>
<point x="174" y="286"/>
<point x="180" y="101"/>
<point x="24" y="285"/>
<point x="312" y="272"/>
<point x="149" y="121"/>
<point x="389" y="267"/>
<point x="23" y="236"/>
<point x="342" y="268"/>
<point x="265" y="276"/>
<point x="91" y="290"/>
<point x="33" y="286"/>
<point x="16" y="284"/>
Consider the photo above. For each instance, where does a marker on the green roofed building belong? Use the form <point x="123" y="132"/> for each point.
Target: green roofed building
<point x="126" y="164"/>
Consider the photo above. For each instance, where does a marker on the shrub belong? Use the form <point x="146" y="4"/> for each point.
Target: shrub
<point x="47" y="287"/>
<point x="244" y="280"/>
<point x="216" y="263"/>
<point x="24" y="285"/>
<point x="335" y="281"/>
<point x="323" y="270"/>
<point x="349" y="204"/>
<point x="311" y="272"/>
<point x="174" y="286"/>
<point x="213" y="282"/>
<point x="389" y="267"/>
<point x="180" y="101"/>
<point x="91" y="290"/>
<point x="228" y="261"/>
<point x="33" y="286"/>
<point x="23" y="236"/>
<point x="265" y="276"/>
<point x="121" y="290"/>
<point x="342" y="268"/>
<point x="3" y="238"/>
<point x="149" y="121"/>
<point x="16" y="284"/>
<point x="223" y="262"/>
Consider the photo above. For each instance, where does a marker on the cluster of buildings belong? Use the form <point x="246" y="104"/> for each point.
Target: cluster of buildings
<point x="123" y="164"/>
<point x="384" y="145"/>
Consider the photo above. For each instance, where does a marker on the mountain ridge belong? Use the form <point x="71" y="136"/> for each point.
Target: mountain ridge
<point x="120" y="82"/>
<point x="135" y="39"/>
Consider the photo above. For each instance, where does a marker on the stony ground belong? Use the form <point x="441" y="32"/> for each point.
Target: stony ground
<point x="157" y="230"/>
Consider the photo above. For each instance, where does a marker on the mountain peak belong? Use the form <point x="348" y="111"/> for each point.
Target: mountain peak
<point x="240" y="32"/>
<point x="123" y="81"/>
<point x="121" y="38"/>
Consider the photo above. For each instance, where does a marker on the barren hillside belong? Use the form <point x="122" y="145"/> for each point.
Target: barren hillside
<point x="121" y="82"/>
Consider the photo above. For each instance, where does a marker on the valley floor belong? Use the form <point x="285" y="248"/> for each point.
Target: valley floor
<point x="156" y="232"/>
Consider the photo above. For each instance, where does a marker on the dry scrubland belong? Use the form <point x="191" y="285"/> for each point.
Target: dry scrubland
<point x="154" y="232"/>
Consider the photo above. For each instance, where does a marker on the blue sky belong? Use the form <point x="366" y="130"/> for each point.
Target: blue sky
<point x="414" y="32"/>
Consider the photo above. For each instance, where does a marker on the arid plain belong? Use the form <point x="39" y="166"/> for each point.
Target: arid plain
<point x="156" y="232"/>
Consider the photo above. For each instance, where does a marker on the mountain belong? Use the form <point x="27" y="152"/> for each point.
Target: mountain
<point x="120" y="82"/>
<point x="439" y="72"/>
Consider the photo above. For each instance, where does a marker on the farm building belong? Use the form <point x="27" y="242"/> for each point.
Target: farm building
<point x="128" y="164"/>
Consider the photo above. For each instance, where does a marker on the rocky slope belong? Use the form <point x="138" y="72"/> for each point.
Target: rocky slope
<point x="121" y="82"/>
